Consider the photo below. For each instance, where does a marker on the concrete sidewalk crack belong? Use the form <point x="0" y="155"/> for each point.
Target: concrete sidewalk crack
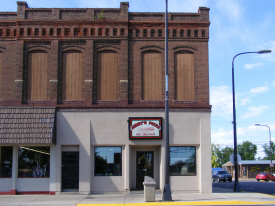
<point x="82" y="199"/>
<point x="35" y="199"/>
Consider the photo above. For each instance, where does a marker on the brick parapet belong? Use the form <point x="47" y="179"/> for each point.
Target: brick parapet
<point x="21" y="7"/>
<point x="204" y="13"/>
<point x="46" y="28"/>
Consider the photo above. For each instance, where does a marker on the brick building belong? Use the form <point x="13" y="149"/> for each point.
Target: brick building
<point x="82" y="100"/>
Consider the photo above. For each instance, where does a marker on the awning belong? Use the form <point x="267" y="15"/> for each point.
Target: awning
<point x="27" y="125"/>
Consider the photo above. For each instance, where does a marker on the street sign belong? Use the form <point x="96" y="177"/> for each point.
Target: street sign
<point x="232" y="158"/>
<point x="271" y="165"/>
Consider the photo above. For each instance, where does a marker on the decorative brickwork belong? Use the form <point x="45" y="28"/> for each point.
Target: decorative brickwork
<point x="91" y="31"/>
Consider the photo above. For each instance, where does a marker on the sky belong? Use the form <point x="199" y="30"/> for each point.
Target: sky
<point x="237" y="26"/>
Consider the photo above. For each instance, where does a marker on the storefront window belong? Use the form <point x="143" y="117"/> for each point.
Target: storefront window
<point x="5" y="161"/>
<point x="182" y="161"/>
<point x="34" y="162"/>
<point x="108" y="161"/>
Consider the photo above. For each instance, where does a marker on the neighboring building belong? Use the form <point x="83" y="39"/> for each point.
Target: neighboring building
<point x="249" y="168"/>
<point x="82" y="100"/>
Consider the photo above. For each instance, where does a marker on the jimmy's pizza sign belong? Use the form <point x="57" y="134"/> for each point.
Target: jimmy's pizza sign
<point x="145" y="128"/>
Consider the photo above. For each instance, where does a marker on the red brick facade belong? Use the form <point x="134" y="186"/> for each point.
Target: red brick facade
<point x="93" y="30"/>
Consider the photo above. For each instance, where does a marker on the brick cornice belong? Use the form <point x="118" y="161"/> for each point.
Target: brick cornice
<point x="71" y="22"/>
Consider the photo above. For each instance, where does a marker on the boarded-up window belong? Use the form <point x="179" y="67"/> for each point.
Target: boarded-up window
<point x="72" y="76"/>
<point x="184" y="77"/>
<point x="37" y="75"/>
<point x="152" y="76"/>
<point x="1" y="60"/>
<point x="107" y="76"/>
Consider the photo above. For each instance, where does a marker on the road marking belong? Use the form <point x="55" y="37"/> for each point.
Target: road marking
<point x="181" y="203"/>
<point x="267" y="195"/>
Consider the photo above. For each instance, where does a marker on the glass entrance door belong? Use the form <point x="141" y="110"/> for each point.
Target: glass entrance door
<point x="70" y="171"/>
<point x="144" y="167"/>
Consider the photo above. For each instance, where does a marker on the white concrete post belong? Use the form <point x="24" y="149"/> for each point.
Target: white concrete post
<point x="14" y="169"/>
<point x="52" y="169"/>
<point x="127" y="169"/>
<point x="205" y="156"/>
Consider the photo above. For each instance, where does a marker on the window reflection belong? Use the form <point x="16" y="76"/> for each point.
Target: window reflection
<point x="34" y="162"/>
<point x="6" y="161"/>
<point x="108" y="161"/>
<point x="182" y="161"/>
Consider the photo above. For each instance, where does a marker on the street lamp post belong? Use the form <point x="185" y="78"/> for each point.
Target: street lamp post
<point x="236" y="185"/>
<point x="269" y="145"/>
<point x="167" y="190"/>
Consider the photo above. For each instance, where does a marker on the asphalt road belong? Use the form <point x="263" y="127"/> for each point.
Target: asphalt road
<point x="249" y="186"/>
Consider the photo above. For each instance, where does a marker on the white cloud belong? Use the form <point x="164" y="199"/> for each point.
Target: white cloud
<point x="270" y="45"/>
<point x="254" y="111"/>
<point x="225" y="137"/>
<point x="261" y="134"/>
<point x="259" y="90"/>
<point x="221" y="100"/>
<point x="251" y="66"/>
<point x="255" y="134"/>
<point x="245" y="101"/>
<point x="241" y="130"/>
<point x="257" y="128"/>
<point x="222" y="137"/>
<point x="252" y="128"/>
<point x="273" y="83"/>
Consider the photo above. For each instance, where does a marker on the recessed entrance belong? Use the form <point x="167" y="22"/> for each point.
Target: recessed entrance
<point x="145" y="162"/>
<point x="70" y="171"/>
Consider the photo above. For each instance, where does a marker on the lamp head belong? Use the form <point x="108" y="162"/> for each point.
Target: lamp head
<point x="257" y="124"/>
<point x="264" y="51"/>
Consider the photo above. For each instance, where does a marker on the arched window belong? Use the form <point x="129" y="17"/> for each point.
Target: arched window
<point x="72" y="76"/>
<point x="37" y="75"/>
<point x="151" y="76"/>
<point x="107" y="75"/>
<point x="184" y="76"/>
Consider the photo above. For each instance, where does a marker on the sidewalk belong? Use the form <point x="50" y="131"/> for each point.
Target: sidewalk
<point x="221" y="197"/>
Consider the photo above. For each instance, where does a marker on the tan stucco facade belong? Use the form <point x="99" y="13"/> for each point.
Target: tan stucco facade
<point x="82" y="131"/>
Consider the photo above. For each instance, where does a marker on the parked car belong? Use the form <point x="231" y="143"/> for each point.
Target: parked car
<point x="221" y="176"/>
<point x="265" y="176"/>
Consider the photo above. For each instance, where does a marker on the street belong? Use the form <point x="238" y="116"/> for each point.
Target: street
<point x="249" y="186"/>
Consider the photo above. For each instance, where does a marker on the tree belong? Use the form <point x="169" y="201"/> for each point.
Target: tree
<point x="220" y="157"/>
<point x="247" y="150"/>
<point x="267" y="151"/>
<point x="225" y="154"/>
<point x="215" y="153"/>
